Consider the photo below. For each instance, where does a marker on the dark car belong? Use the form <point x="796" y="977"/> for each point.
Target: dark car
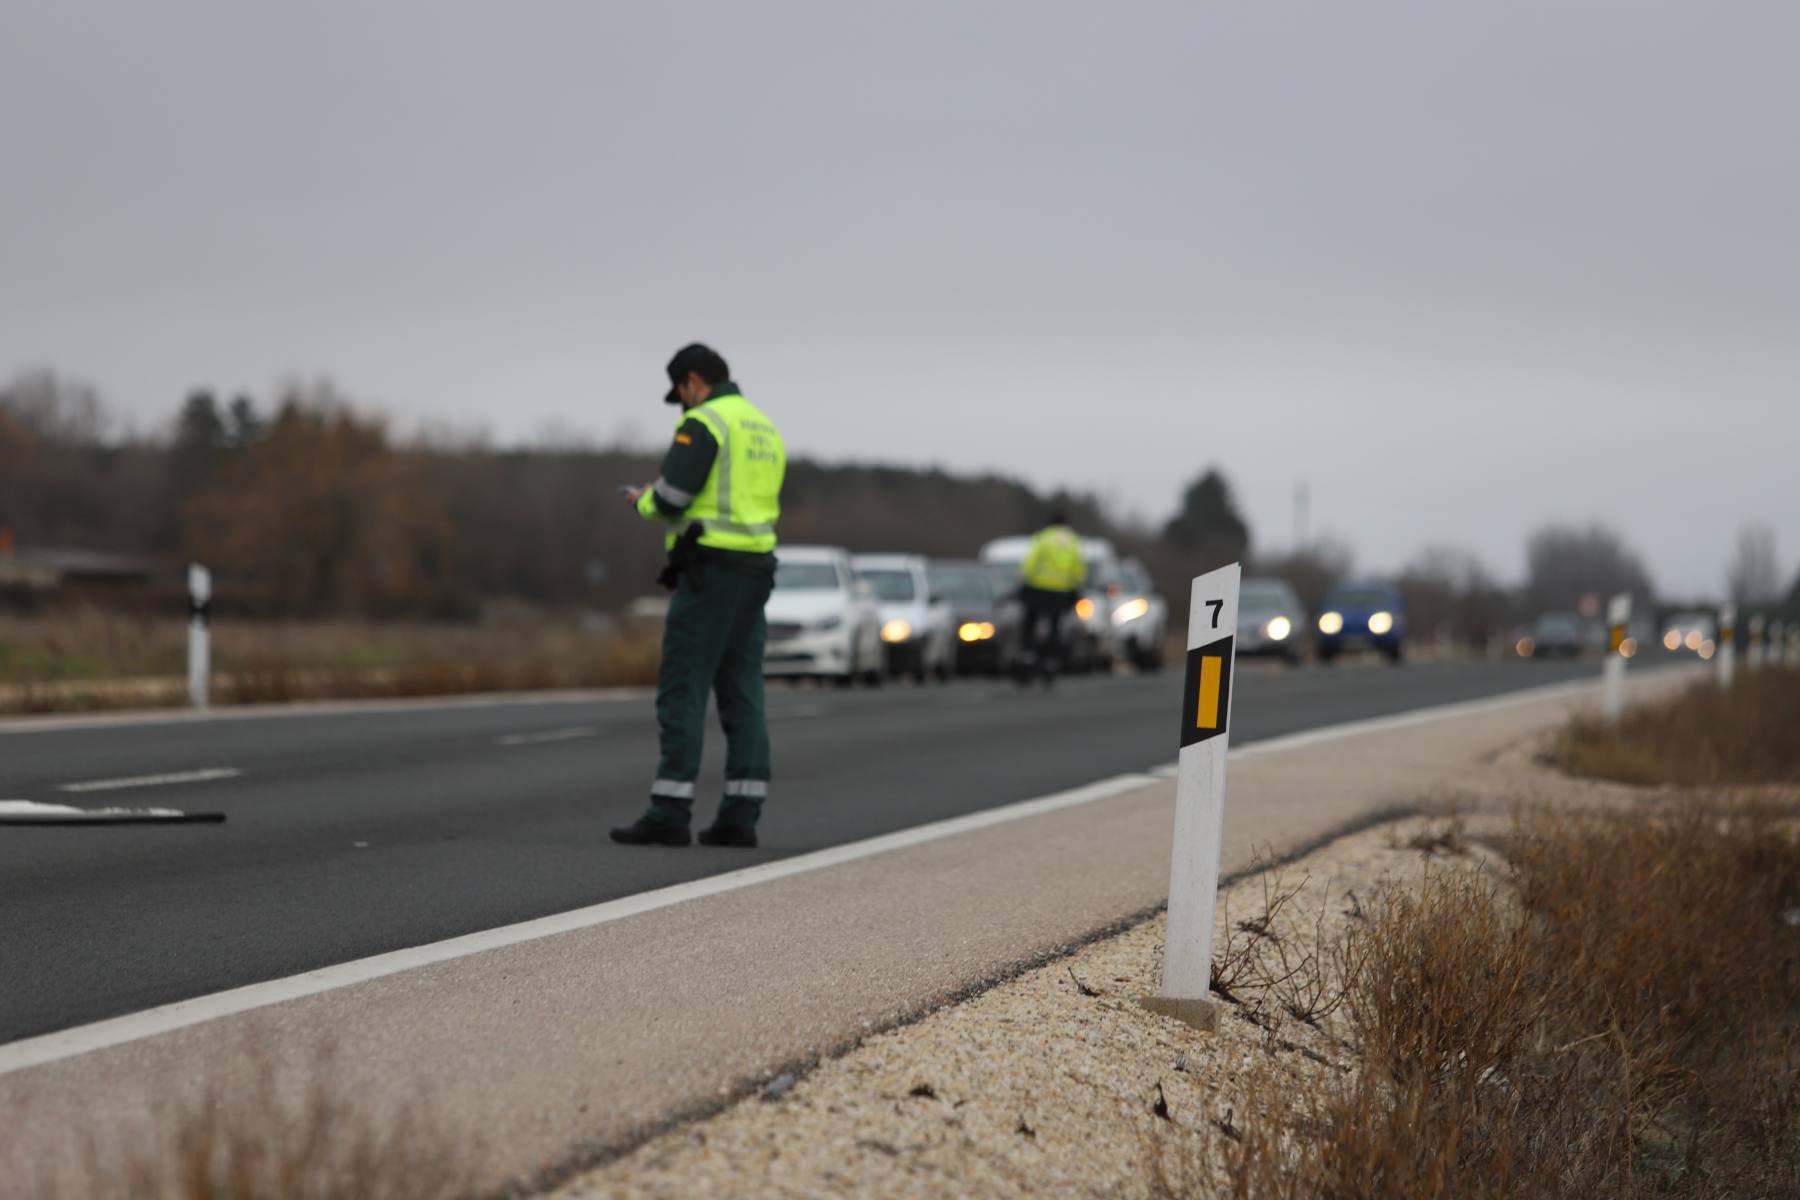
<point x="1362" y="614"/>
<point x="984" y="614"/>
<point x="1554" y="634"/>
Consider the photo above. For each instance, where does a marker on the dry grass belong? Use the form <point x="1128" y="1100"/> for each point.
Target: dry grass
<point x="93" y="659"/>
<point x="1705" y="736"/>
<point x="1617" y="1016"/>
<point x="270" y="1138"/>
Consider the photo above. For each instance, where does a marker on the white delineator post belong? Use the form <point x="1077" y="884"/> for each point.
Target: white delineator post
<point x="199" y="634"/>
<point x="1200" y="801"/>
<point x="1753" y="647"/>
<point x="1612" y="671"/>
<point x="1727" y="656"/>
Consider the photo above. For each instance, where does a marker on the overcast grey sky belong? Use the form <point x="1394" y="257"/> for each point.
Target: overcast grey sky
<point x="1464" y="267"/>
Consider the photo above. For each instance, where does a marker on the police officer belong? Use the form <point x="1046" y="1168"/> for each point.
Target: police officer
<point x="718" y="499"/>
<point x="1052" y="575"/>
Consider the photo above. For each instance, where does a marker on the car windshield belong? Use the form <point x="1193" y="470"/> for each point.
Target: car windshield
<point x="891" y="585"/>
<point x="1132" y="577"/>
<point x="1263" y="599"/>
<point x="1359" y="598"/>
<point x="1558" y="623"/>
<point x="806" y="577"/>
<point x="962" y="587"/>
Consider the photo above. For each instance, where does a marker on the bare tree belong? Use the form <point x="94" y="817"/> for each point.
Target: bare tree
<point x="1449" y="590"/>
<point x="1754" y="576"/>
<point x="1566" y="563"/>
<point x="55" y="408"/>
<point x="1311" y="570"/>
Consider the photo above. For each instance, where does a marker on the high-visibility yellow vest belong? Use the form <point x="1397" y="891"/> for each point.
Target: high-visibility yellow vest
<point x="1054" y="561"/>
<point x="741" y="502"/>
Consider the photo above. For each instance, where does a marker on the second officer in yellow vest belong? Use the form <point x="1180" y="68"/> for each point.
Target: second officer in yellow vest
<point x="1051" y="577"/>
<point x="718" y="499"/>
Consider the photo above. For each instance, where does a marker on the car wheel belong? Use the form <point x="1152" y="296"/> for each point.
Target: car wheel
<point x="1148" y="657"/>
<point x="1396" y="654"/>
<point x="1326" y="654"/>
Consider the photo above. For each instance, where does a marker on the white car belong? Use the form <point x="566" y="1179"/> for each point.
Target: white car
<point x="1088" y="636"/>
<point x="917" y="627"/>
<point x="822" y="621"/>
<point x="1271" y="621"/>
<point x="1139" y="617"/>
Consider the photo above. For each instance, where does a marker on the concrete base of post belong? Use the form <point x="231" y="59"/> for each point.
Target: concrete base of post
<point x="1200" y="1014"/>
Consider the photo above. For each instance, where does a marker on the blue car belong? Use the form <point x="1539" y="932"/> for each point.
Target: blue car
<point x="1365" y="613"/>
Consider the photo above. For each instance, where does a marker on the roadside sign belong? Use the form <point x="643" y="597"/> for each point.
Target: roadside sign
<point x="1727" y="656"/>
<point x="1205" y="729"/>
<point x="199" y="634"/>
<point x="1612" y="671"/>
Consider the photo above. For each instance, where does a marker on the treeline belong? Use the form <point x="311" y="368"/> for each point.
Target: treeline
<point x="312" y="507"/>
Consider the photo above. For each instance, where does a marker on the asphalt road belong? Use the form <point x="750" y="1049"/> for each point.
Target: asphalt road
<point x="355" y="833"/>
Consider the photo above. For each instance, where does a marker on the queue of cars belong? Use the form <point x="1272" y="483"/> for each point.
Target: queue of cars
<point x="864" y="618"/>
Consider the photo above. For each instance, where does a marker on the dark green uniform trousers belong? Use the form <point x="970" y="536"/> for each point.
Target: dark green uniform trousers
<point x="713" y="643"/>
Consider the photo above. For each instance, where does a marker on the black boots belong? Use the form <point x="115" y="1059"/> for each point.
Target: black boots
<point x="720" y="834"/>
<point x="645" y="832"/>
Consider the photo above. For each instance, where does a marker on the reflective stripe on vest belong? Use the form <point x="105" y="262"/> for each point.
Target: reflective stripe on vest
<point x="740" y="502"/>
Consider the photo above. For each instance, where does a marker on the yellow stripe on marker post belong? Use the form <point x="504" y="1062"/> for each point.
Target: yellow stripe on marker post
<point x="1199" y="801"/>
<point x="1207" y="715"/>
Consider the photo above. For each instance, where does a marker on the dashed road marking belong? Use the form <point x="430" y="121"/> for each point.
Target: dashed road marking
<point x="571" y="734"/>
<point x="204" y="775"/>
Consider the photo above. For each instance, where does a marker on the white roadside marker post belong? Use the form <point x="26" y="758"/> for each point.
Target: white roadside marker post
<point x="199" y="634"/>
<point x="1612" y="671"/>
<point x="1727" y="670"/>
<point x="1200" y="802"/>
<point x="1753" y="649"/>
<point x="1777" y="645"/>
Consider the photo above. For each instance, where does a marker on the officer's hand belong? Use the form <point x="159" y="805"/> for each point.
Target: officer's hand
<point x="635" y="494"/>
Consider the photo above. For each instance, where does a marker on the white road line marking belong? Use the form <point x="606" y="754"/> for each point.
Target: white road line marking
<point x="549" y="735"/>
<point x="68" y="1043"/>
<point x="1417" y="716"/>
<point x="84" y="1039"/>
<point x="206" y="775"/>
<point x="316" y="708"/>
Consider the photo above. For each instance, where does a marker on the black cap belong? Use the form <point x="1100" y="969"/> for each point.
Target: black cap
<point x="696" y="359"/>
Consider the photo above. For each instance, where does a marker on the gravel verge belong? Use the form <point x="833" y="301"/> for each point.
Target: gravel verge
<point x="1056" y="1082"/>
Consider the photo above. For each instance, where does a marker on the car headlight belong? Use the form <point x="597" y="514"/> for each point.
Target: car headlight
<point x="1381" y="622"/>
<point x="1672" y="640"/>
<point x="1693" y="639"/>
<point x="1278" y="629"/>
<point x="1526" y="647"/>
<point x="896" y="631"/>
<point x="975" y="631"/>
<point x="1331" y="622"/>
<point x="1628" y="648"/>
<point x="1130" y="611"/>
<point x="1084" y="608"/>
<point x="826" y="624"/>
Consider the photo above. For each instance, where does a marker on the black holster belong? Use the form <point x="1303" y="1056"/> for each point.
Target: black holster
<point x="684" y="561"/>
